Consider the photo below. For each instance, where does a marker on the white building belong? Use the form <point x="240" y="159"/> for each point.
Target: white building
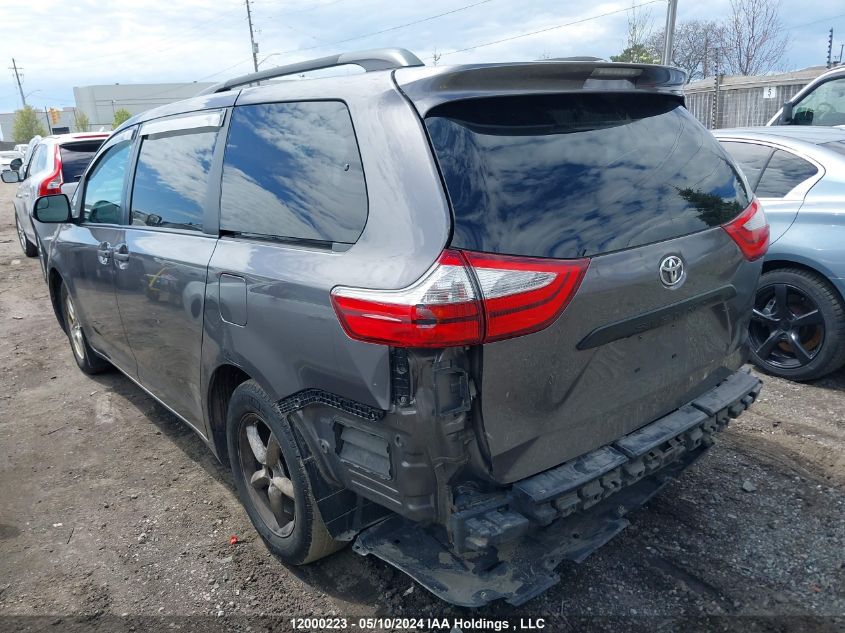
<point x="99" y="103"/>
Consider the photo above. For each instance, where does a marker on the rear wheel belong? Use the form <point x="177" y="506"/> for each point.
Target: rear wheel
<point x="798" y="325"/>
<point x="29" y="249"/>
<point x="86" y="358"/>
<point x="271" y="478"/>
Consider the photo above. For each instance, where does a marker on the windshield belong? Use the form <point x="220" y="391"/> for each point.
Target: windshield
<point x="824" y="106"/>
<point x="576" y="175"/>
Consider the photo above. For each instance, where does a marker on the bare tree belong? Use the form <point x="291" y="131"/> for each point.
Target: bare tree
<point x="754" y="39"/>
<point x="640" y="28"/>
<point x="436" y="57"/>
<point x="695" y="49"/>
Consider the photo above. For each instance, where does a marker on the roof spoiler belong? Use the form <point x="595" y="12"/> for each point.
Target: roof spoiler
<point x="377" y="59"/>
<point x="439" y="84"/>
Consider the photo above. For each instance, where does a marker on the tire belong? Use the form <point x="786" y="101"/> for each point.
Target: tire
<point x="806" y="340"/>
<point x="86" y="358"/>
<point x="294" y="531"/>
<point x="29" y="249"/>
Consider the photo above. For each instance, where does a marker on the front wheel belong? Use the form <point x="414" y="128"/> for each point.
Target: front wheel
<point x="797" y="329"/>
<point x="271" y="478"/>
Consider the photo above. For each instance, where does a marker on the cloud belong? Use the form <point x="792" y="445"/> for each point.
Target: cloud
<point x="61" y="44"/>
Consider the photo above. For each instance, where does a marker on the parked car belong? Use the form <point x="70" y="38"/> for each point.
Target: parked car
<point x="798" y="173"/>
<point x="467" y="317"/>
<point x="54" y="165"/>
<point x="21" y="147"/>
<point x="7" y="158"/>
<point x="819" y="103"/>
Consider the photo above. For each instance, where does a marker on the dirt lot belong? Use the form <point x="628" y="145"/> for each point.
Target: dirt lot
<point x="110" y="506"/>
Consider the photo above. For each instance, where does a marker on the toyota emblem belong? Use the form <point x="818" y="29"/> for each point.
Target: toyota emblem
<point x="672" y="271"/>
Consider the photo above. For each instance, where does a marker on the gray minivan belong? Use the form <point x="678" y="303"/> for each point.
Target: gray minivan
<point x="466" y="317"/>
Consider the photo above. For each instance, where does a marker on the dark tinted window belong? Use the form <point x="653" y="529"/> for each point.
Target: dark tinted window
<point x="784" y="172"/>
<point x="171" y="179"/>
<point x="103" y="202"/>
<point x="75" y="158"/>
<point x="580" y="174"/>
<point x="750" y="157"/>
<point x="293" y="170"/>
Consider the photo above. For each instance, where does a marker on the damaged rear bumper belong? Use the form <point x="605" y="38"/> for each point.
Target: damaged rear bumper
<point x="507" y="545"/>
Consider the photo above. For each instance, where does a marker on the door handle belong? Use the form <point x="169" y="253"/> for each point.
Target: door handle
<point x="121" y="255"/>
<point x="104" y="252"/>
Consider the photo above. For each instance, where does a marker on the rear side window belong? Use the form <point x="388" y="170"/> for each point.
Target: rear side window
<point x="171" y="179"/>
<point x="76" y="157"/>
<point x="752" y="158"/>
<point x="39" y="160"/>
<point x="292" y="170"/>
<point x="576" y="175"/>
<point x="784" y="172"/>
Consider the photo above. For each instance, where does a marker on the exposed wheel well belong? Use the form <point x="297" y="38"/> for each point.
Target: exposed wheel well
<point x="223" y="383"/>
<point x="54" y="283"/>
<point x="778" y="264"/>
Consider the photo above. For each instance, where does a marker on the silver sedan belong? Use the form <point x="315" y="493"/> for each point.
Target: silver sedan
<point x="798" y="173"/>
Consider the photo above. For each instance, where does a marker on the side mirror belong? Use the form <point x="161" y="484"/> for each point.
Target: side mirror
<point x="786" y="113"/>
<point x="15" y="165"/>
<point x="52" y="209"/>
<point x="10" y="176"/>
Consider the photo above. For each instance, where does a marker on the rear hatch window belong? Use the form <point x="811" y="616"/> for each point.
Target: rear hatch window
<point x="575" y="175"/>
<point x="76" y="157"/>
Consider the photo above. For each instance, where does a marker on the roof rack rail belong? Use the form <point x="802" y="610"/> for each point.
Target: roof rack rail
<point x="377" y="59"/>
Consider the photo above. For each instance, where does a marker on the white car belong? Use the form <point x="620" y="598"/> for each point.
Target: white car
<point x="7" y="157"/>
<point x="53" y="165"/>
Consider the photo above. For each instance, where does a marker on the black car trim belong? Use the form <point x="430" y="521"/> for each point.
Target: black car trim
<point x="654" y="318"/>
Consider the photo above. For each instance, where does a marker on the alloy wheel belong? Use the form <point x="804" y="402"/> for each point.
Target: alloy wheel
<point x="269" y="485"/>
<point x="77" y="339"/>
<point x="787" y="329"/>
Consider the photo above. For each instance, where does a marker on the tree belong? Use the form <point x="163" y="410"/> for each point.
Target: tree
<point x="80" y="120"/>
<point x="639" y="32"/>
<point x="120" y="116"/>
<point x="27" y="124"/>
<point x="695" y="48"/>
<point x="639" y="53"/>
<point x="754" y="39"/>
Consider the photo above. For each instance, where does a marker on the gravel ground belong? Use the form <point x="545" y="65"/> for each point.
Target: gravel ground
<point x="111" y="507"/>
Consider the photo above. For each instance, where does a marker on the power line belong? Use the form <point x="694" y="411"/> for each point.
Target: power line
<point x="798" y="26"/>
<point x="550" y="28"/>
<point x="391" y="28"/>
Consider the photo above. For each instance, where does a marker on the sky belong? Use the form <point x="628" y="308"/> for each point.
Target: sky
<point x="61" y="44"/>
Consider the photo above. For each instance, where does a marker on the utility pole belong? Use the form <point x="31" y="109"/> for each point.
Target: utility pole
<point x="829" y="49"/>
<point x="669" y="40"/>
<point x="18" y="79"/>
<point x="252" y="38"/>
<point x="47" y="117"/>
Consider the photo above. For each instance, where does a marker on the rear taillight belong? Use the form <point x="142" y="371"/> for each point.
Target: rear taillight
<point x="464" y="299"/>
<point x="52" y="184"/>
<point x="750" y="231"/>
